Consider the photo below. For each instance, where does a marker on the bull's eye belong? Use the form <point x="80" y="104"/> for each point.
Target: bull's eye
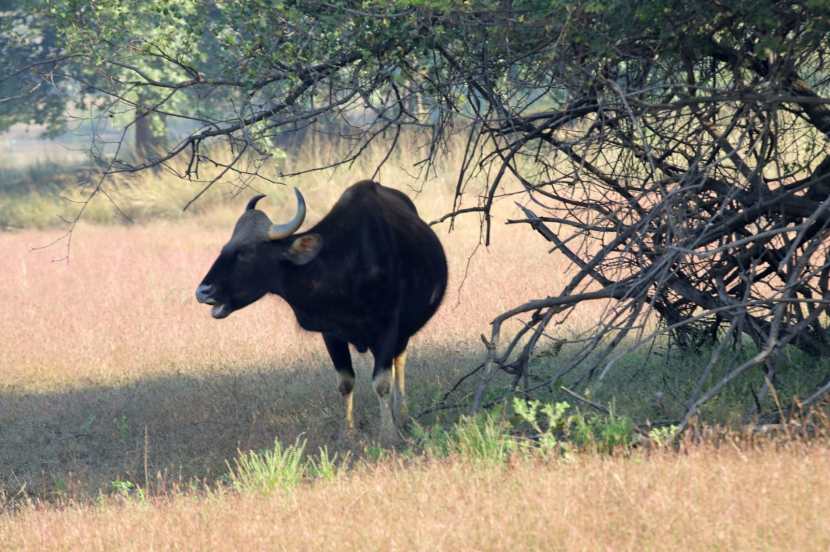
<point x="245" y="255"/>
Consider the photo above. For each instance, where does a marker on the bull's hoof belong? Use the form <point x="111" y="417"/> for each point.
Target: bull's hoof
<point x="405" y="427"/>
<point x="390" y="436"/>
<point x="348" y="435"/>
<point x="402" y="419"/>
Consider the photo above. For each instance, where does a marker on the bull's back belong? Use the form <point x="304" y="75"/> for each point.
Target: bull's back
<point x="398" y="257"/>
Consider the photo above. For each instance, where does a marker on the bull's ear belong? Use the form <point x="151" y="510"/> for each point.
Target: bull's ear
<point x="304" y="248"/>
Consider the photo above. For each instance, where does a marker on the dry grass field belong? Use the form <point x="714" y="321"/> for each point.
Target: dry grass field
<point x="112" y="342"/>
<point x="707" y="500"/>
<point x="111" y="372"/>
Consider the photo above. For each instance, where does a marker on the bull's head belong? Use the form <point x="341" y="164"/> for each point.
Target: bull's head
<point x="250" y="264"/>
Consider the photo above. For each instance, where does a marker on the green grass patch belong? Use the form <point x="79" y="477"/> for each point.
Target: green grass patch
<point x="527" y="428"/>
<point x="278" y="468"/>
<point x="488" y="439"/>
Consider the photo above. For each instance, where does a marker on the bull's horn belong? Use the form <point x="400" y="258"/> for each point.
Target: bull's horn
<point x="252" y="203"/>
<point x="279" y="231"/>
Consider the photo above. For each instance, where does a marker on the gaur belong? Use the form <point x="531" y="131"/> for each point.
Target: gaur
<point x="371" y="273"/>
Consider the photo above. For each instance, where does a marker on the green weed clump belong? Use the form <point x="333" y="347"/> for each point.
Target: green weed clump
<point x="283" y="468"/>
<point x="603" y="433"/>
<point x="559" y="426"/>
<point x="487" y="439"/>
<point x="327" y="466"/>
<point x="483" y="439"/>
<point x="531" y="428"/>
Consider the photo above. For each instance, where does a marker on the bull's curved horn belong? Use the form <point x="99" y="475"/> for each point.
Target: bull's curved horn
<point x="253" y="201"/>
<point x="278" y="231"/>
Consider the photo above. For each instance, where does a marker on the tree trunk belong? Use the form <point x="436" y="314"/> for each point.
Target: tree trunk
<point x="149" y="143"/>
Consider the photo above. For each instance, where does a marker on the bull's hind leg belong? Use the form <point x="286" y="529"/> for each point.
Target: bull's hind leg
<point x="401" y="410"/>
<point x="342" y="359"/>
<point x="382" y="382"/>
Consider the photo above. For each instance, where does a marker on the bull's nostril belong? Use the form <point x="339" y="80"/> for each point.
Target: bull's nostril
<point x="203" y="294"/>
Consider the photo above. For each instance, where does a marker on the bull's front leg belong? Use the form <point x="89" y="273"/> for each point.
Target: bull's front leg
<point x="342" y="360"/>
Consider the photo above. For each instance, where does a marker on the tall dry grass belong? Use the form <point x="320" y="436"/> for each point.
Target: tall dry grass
<point x="708" y="499"/>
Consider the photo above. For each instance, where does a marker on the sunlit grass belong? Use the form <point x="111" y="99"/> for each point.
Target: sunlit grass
<point x="278" y="468"/>
<point x="707" y="499"/>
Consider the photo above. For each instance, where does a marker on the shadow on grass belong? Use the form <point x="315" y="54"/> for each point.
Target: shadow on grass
<point x="657" y="386"/>
<point x="183" y="428"/>
<point x="76" y="443"/>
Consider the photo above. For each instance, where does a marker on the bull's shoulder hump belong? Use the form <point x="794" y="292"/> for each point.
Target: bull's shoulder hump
<point x="370" y="193"/>
<point x="393" y="195"/>
<point x="357" y="193"/>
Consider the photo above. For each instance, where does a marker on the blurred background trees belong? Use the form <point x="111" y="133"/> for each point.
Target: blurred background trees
<point x="29" y="51"/>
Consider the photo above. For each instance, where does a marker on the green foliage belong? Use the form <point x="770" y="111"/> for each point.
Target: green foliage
<point x="534" y="429"/>
<point x="553" y="427"/>
<point x="31" y="92"/>
<point x="601" y="433"/>
<point x="483" y="439"/>
<point x="375" y="453"/>
<point x="59" y="486"/>
<point x="554" y="422"/>
<point x="215" y="64"/>
<point x="434" y="440"/>
<point x="211" y="60"/>
<point x="663" y="436"/>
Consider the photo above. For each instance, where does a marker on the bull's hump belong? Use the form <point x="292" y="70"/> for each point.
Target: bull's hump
<point x="356" y="191"/>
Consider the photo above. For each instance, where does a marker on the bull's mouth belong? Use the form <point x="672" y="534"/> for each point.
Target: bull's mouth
<point x="220" y="311"/>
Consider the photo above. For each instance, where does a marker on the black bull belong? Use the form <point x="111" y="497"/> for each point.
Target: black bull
<point x="370" y="273"/>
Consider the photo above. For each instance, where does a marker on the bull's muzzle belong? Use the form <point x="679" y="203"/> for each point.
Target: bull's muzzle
<point x="204" y="294"/>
